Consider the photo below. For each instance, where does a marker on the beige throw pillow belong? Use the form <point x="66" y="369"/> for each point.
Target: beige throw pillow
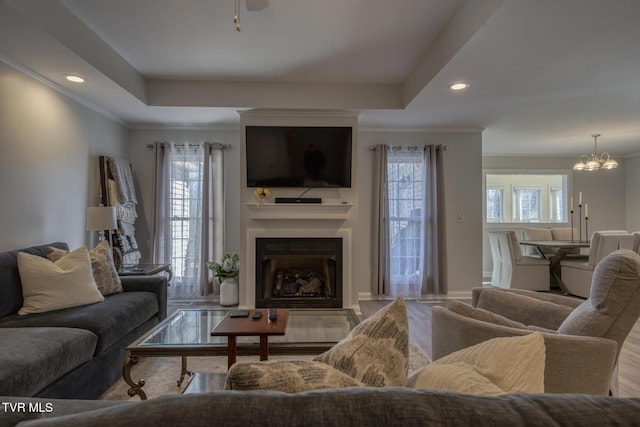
<point x="376" y="352"/>
<point x="496" y="366"/>
<point x="104" y="270"/>
<point x="48" y="286"/>
<point x="287" y="376"/>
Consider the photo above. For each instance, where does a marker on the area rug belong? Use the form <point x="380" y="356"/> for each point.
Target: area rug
<point x="161" y="373"/>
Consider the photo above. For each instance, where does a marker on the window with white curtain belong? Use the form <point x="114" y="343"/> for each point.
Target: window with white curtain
<point x="406" y="192"/>
<point x="185" y="198"/>
<point x="189" y="215"/>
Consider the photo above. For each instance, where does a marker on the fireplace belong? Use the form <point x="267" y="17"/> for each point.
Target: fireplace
<point x="299" y="272"/>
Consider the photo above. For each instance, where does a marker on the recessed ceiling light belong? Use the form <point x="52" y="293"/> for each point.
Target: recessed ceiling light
<point x="74" y="78"/>
<point x="458" y="86"/>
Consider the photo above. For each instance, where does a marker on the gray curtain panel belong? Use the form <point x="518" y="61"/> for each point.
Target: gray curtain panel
<point x="435" y="274"/>
<point x="380" y="224"/>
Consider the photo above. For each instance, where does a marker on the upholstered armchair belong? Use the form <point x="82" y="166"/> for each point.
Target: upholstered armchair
<point x="582" y="338"/>
<point x="511" y="269"/>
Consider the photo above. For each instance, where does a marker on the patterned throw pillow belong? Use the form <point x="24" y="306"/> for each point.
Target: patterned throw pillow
<point x="104" y="270"/>
<point x="287" y="376"/>
<point x="376" y="352"/>
<point x="48" y="286"/>
<point x="496" y="366"/>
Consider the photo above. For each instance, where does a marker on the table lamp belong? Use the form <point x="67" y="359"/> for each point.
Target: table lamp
<point x="101" y="218"/>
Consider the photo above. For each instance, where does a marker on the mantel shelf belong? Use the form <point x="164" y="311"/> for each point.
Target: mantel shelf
<point x="306" y="211"/>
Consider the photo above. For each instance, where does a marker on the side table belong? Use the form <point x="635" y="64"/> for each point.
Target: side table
<point x="145" y="270"/>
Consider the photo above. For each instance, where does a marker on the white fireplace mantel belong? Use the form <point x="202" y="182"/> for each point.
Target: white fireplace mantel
<point x="299" y="211"/>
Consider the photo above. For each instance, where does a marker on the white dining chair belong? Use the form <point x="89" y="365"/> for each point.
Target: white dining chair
<point x="543" y="234"/>
<point x="511" y="269"/>
<point x="577" y="273"/>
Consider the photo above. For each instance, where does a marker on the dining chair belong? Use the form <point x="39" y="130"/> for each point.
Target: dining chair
<point x="511" y="269"/>
<point x="577" y="273"/>
<point x="569" y="234"/>
<point x="537" y="234"/>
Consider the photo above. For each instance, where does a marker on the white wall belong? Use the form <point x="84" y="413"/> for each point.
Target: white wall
<point x="48" y="162"/>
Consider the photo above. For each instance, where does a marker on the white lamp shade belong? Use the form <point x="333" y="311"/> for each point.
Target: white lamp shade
<point x="101" y="218"/>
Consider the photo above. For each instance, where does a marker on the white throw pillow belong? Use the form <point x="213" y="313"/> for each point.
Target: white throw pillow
<point x="104" y="270"/>
<point x="48" y="286"/>
<point x="496" y="366"/>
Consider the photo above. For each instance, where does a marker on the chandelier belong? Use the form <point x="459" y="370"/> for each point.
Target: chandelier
<point x="595" y="161"/>
<point x="236" y="15"/>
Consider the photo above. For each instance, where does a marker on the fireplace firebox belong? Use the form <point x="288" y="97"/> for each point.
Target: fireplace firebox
<point x="299" y="272"/>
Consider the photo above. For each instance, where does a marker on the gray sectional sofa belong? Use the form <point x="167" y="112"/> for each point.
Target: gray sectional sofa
<point x="360" y="406"/>
<point x="73" y="353"/>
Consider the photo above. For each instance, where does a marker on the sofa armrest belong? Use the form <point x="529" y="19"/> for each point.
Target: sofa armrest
<point x="573" y="364"/>
<point x="156" y="284"/>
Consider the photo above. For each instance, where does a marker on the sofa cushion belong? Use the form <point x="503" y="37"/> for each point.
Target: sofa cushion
<point x="614" y="302"/>
<point x="34" y="358"/>
<point x="104" y="270"/>
<point x="376" y="352"/>
<point x="47" y="285"/>
<point x="288" y="376"/>
<point x="110" y="319"/>
<point x="495" y="366"/>
<point x="458" y="376"/>
<point x="10" y="286"/>
<point x="529" y="311"/>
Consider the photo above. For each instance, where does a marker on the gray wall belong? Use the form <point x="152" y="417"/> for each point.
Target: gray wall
<point x="48" y="162"/>
<point x="463" y="193"/>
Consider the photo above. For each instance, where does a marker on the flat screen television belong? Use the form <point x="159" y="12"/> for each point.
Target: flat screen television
<point x="298" y="156"/>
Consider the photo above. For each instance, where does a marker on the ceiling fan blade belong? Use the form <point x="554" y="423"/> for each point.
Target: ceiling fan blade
<point x="256" y="5"/>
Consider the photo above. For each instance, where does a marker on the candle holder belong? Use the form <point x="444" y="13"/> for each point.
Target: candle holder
<point x="572" y="239"/>
<point x="580" y="220"/>
<point x="586" y="226"/>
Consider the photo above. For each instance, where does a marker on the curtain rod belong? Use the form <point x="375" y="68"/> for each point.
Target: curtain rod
<point x="215" y="145"/>
<point x="413" y="147"/>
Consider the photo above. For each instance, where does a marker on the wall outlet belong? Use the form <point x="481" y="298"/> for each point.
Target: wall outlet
<point x="460" y="216"/>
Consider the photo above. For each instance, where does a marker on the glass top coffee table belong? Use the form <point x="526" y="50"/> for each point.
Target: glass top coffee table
<point x="187" y="333"/>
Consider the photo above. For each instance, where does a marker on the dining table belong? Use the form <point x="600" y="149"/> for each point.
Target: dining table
<point x="555" y="251"/>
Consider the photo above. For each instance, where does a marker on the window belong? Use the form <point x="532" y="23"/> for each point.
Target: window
<point x="189" y="214"/>
<point x="526" y="204"/>
<point x="406" y="197"/>
<point x="526" y="198"/>
<point x="555" y="203"/>
<point x="185" y="199"/>
<point x="495" y="204"/>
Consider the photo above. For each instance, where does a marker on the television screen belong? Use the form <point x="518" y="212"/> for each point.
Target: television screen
<point x="279" y="156"/>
